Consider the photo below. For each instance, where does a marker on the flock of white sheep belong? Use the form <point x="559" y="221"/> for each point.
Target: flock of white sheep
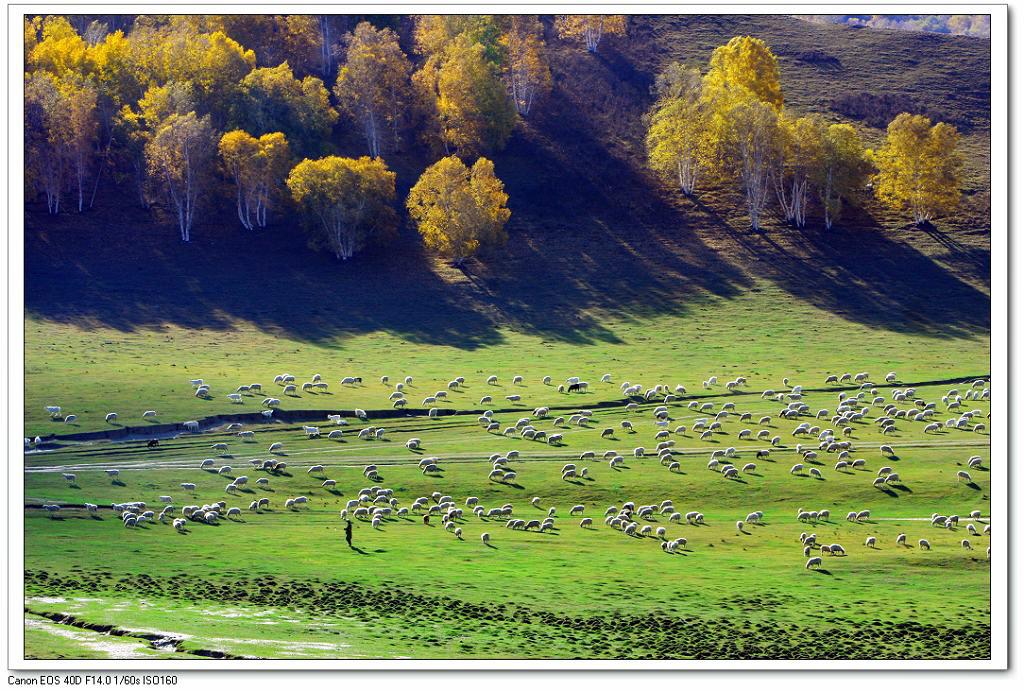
<point x="376" y="504"/>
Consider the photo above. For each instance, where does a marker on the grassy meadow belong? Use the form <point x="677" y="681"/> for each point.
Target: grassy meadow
<point x="281" y="583"/>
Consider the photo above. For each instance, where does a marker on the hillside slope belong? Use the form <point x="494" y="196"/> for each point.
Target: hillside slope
<point x="593" y="236"/>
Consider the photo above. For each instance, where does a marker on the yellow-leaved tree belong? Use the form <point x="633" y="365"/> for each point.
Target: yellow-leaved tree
<point x="524" y="61"/>
<point x="178" y="155"/>
<point x="678" y="142"/>
<point x="349" y="201"/>
<point x="919" y="167"/>
<point x="458" y="209"/>
<point x="844" y="169"/>
<point x="799" y="159"/>
<point x="258" y="167"/>
<point x="753" y="146"/>
<point x="743" y="68"/>
<point x="272" y="99"/>
<point x="743" y="96"/>
<point x="373" y="86"/>
<point x="47" y="137"/>
<point x="590" y="27"/>
<point x="461" y="91"/>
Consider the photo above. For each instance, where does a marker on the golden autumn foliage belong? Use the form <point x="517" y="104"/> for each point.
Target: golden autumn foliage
<point x="590" y="27"/>
<point x="349" y="201"/>
<point x="678" y="144"/>
<point x="258" y="167"/>
<point x="743" y="68"/>
<point x="178" y="156"/>
<point x="919" y="167"/>
<point x="796" y="164"/>
<point x="464" y="98"/>
<point x="728" y="126"/>
<point x="434" y="33"/>
<point x="844" y="169"/>
<point x="458" y="209"/>
<point x="57" y="48"/>
<point x="272" y="99"/>
<point x="524" y="64"/>
<point x="292" y="38"/>
<point x="373" y="86"/>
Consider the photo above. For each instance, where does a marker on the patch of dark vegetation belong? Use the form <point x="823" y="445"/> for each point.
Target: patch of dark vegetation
<point x="819" y="58"/>
<point x="500" y="629"/>
<point x="878" y="109"/>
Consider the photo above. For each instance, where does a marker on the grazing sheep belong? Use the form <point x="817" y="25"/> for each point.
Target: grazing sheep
<point x="963" y="475"/>
<point x="485" y="538"/>
<point x="813" y="561"/>
<point x="924" y="544"/>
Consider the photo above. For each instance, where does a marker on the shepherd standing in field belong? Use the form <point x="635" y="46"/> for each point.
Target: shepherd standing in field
<point x="348" y="533"/>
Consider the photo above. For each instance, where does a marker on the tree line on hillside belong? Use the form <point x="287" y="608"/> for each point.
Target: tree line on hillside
<point x="729" y="126"/>
<point x="173" y="100"/>
<point x="174" y="103"/>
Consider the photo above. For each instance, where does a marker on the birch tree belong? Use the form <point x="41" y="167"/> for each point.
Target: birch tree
<point x="349" y="201"/>
<point x="80" y="99"/>
<point x="373" y="86"/>
<point x="919" y="167"/>
<point x="744" y="67"/>
<point x="525" y="65"/>
<point x="177" y="157"/>
<point x="798" y="160"/>
<point x="678" y="132"/>
<point x="844" y="170"/>
<point x="590" y="27"/>
<point x="258" y="167"/>
<point x="753" y="144"/>
<point x="466" y="103"/>
<point x="458" y="209"/>
<point x="47" y="137"/>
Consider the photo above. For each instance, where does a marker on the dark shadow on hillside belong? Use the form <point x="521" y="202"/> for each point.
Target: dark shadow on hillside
<point x="867" y="274"/>
<point x="142" y="277"/>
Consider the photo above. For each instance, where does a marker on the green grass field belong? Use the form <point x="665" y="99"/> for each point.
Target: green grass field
<point x="281" y="583"/>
